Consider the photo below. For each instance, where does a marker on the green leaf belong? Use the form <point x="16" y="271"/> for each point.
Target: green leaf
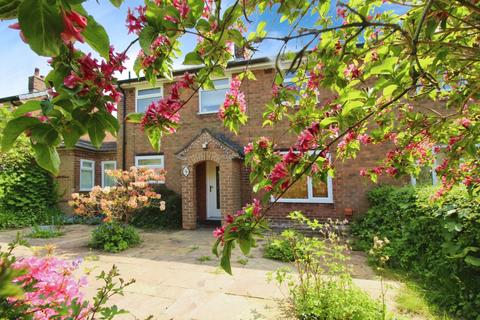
<point x="135" y="117"/>
<point x="474" y="261"/>
<point x="117" y="3"/>
<point x="203" y="25"/>
<point x="47" y="157"/>
<point x="155" y="137"/>
<point x="385" y="66"/>
<point x="14" y="128"/>
<point x="9" y="9"/>
<point x="350" y="106"/>
<point x="96" y="130"/>
<point x="193" y="58"/>
<point x="96" y="37"/>
<point x="146" y="37"/>
<point x="71" y="134"/>
<point x="389" y="90"/>
<point x="41" y="24"/>
<point x="328" y="121"/>
<point x="245" y="244"/>
<point x="29" y="106"/>
<point x="226" y="256"/>
<point x="44" y="133"/>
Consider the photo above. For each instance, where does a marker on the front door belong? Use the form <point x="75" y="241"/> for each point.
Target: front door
<point x="213" y="191"/>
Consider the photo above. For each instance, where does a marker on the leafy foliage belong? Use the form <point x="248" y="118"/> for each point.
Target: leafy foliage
<point x="114" y="237"/>
<point x="279" y="248"/>
<point x="323" y="288"/>
<point x="45" y="232"/>
<point x="435" y="242"/>
<point x="132" y="191"/>
<point x="28" y="194"/>
<point x="152" y="217"/>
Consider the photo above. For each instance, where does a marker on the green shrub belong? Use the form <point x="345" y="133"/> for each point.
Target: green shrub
<point x="28" y="193"/>
<point x="336" y="300"/>
<point x="45" y="232"/>
<point x="279" y="247"/>
<point x="436" y="242"/>
<point x="153" y="218"/>
<point x="114" y="237"/>
<point x="20" y="219"/>
<point x="321" y="286"/>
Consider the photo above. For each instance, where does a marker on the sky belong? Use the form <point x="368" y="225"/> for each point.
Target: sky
<point x="17" y="61"/>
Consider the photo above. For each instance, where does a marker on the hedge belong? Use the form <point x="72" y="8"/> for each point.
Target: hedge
<point x="435" y="241"/>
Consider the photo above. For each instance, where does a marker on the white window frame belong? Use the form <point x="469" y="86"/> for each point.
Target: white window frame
<point x="201" y="90"/>
<point x="157" y="156"/>
<point x="310" y="198"/>
<point x="433" y="170"/>
<point x="147" y="87"/>
<point x="82" y="161"/>
<point x="103" y="169"/>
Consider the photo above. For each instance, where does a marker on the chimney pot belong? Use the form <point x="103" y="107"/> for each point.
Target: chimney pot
<point x="36" y="82"/>
<point x="37" y="72"/>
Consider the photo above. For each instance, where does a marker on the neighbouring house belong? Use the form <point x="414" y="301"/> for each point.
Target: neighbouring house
<point x="203" y="160"/>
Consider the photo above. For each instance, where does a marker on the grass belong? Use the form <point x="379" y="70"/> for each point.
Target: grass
<point x="45" y="233"/>
<point x="204" y="258"/>
<point x="411" y="300"/>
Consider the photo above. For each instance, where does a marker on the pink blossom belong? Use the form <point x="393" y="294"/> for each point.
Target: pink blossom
<point x="290" y="157"/>
<point x="352" y="71"/>
<point x="465" y="122"/>
<point x="342" y="12"/>
<point x="257" y="207"/>
<point x="234" y="100"/>
<point x="71" y="81"/>
<point x="278" y="173"/>
<point x="136" y="21"/>
<point x="363" y="172"/>
<point x="364" y="138"/>
<point x="74" y="23"/>
<point x="218" y="232"/>
<point x="248" y="148"/>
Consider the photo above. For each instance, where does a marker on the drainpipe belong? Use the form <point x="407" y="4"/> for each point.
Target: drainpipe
<point x="124" y="128"/>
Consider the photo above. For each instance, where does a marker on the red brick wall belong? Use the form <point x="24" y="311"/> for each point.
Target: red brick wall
<point x="349" y="189"/>
<point x="69" y="176"/>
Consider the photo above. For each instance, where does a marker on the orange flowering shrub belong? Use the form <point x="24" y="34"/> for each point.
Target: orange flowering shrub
<point x="133" y="190"/>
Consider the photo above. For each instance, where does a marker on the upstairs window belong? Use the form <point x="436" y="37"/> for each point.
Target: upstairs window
<point x="87" y="174"/>
<point x="108" y="181"/>
<point x="211" y="100"/>
<point x="146" y="96"/>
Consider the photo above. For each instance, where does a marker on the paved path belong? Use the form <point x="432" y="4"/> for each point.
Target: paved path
<point x="176" y="280"/>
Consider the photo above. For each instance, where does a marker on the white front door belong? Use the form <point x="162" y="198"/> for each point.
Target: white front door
<point x="213" y="191"/>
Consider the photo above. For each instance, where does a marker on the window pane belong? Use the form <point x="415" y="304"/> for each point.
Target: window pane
<point x="320" y="189"/>
<point x="212" y="100"/>
<point x="221" y="83"/>
<point x="425" y="176"/>
<point x="107" y="180"/>
<point x="298" y="190"/>
<point x="150" y="162"/>
<point x="86" y="179"/>
<point x="143" y="103"/>
<point x="156" y="91"/>
<point x="86" y="164"/>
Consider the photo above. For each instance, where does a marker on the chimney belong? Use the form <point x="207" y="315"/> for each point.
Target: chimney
<point x="239" y="52"/>
<point x="36" y="82"/>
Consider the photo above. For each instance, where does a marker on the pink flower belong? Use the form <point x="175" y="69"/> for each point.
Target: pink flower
<point x="342" y="12"/>
<point x="136" y="22"/>
<point x="306" y="141"/>
<point x="364" y="139"/>
<point x="248" y="148"/>
<point x="465" y="122"/>
<point x="352" y="72"/>
<point x="218" y="232"/>
<point x="263" y="142"/>
<point x="74" y="23"/>
<point x="71" y="81"/>
<point x="182" y="7"/>
<point x="278" y="173"/>
<point x="291" y="157"/>
<point x="234" y="101"/>
<point x="257" y="207"/>
<point x="363" y="172"/>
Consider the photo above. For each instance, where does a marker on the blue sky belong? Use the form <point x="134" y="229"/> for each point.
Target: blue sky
<point x="17" y="61"/>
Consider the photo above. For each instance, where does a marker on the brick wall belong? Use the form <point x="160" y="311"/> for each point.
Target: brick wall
<point x="349" y="189"/>
<point x="69" y="176"/>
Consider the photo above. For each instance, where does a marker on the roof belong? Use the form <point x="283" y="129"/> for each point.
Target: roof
<point x="221" y="138"/>
<point x="25" y="96"/>
<point x="231" y="64"/>
<point x="106" y="145"/>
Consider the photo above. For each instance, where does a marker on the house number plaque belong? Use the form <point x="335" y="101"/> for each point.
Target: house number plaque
<point x="185" y="171"/>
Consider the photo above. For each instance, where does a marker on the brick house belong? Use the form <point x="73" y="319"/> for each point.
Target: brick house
<point x="203" y="160"/>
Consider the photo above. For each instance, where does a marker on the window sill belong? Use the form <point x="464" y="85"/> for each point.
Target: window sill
<point x="207" y="113"/>
<point x="307" y="201"/>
